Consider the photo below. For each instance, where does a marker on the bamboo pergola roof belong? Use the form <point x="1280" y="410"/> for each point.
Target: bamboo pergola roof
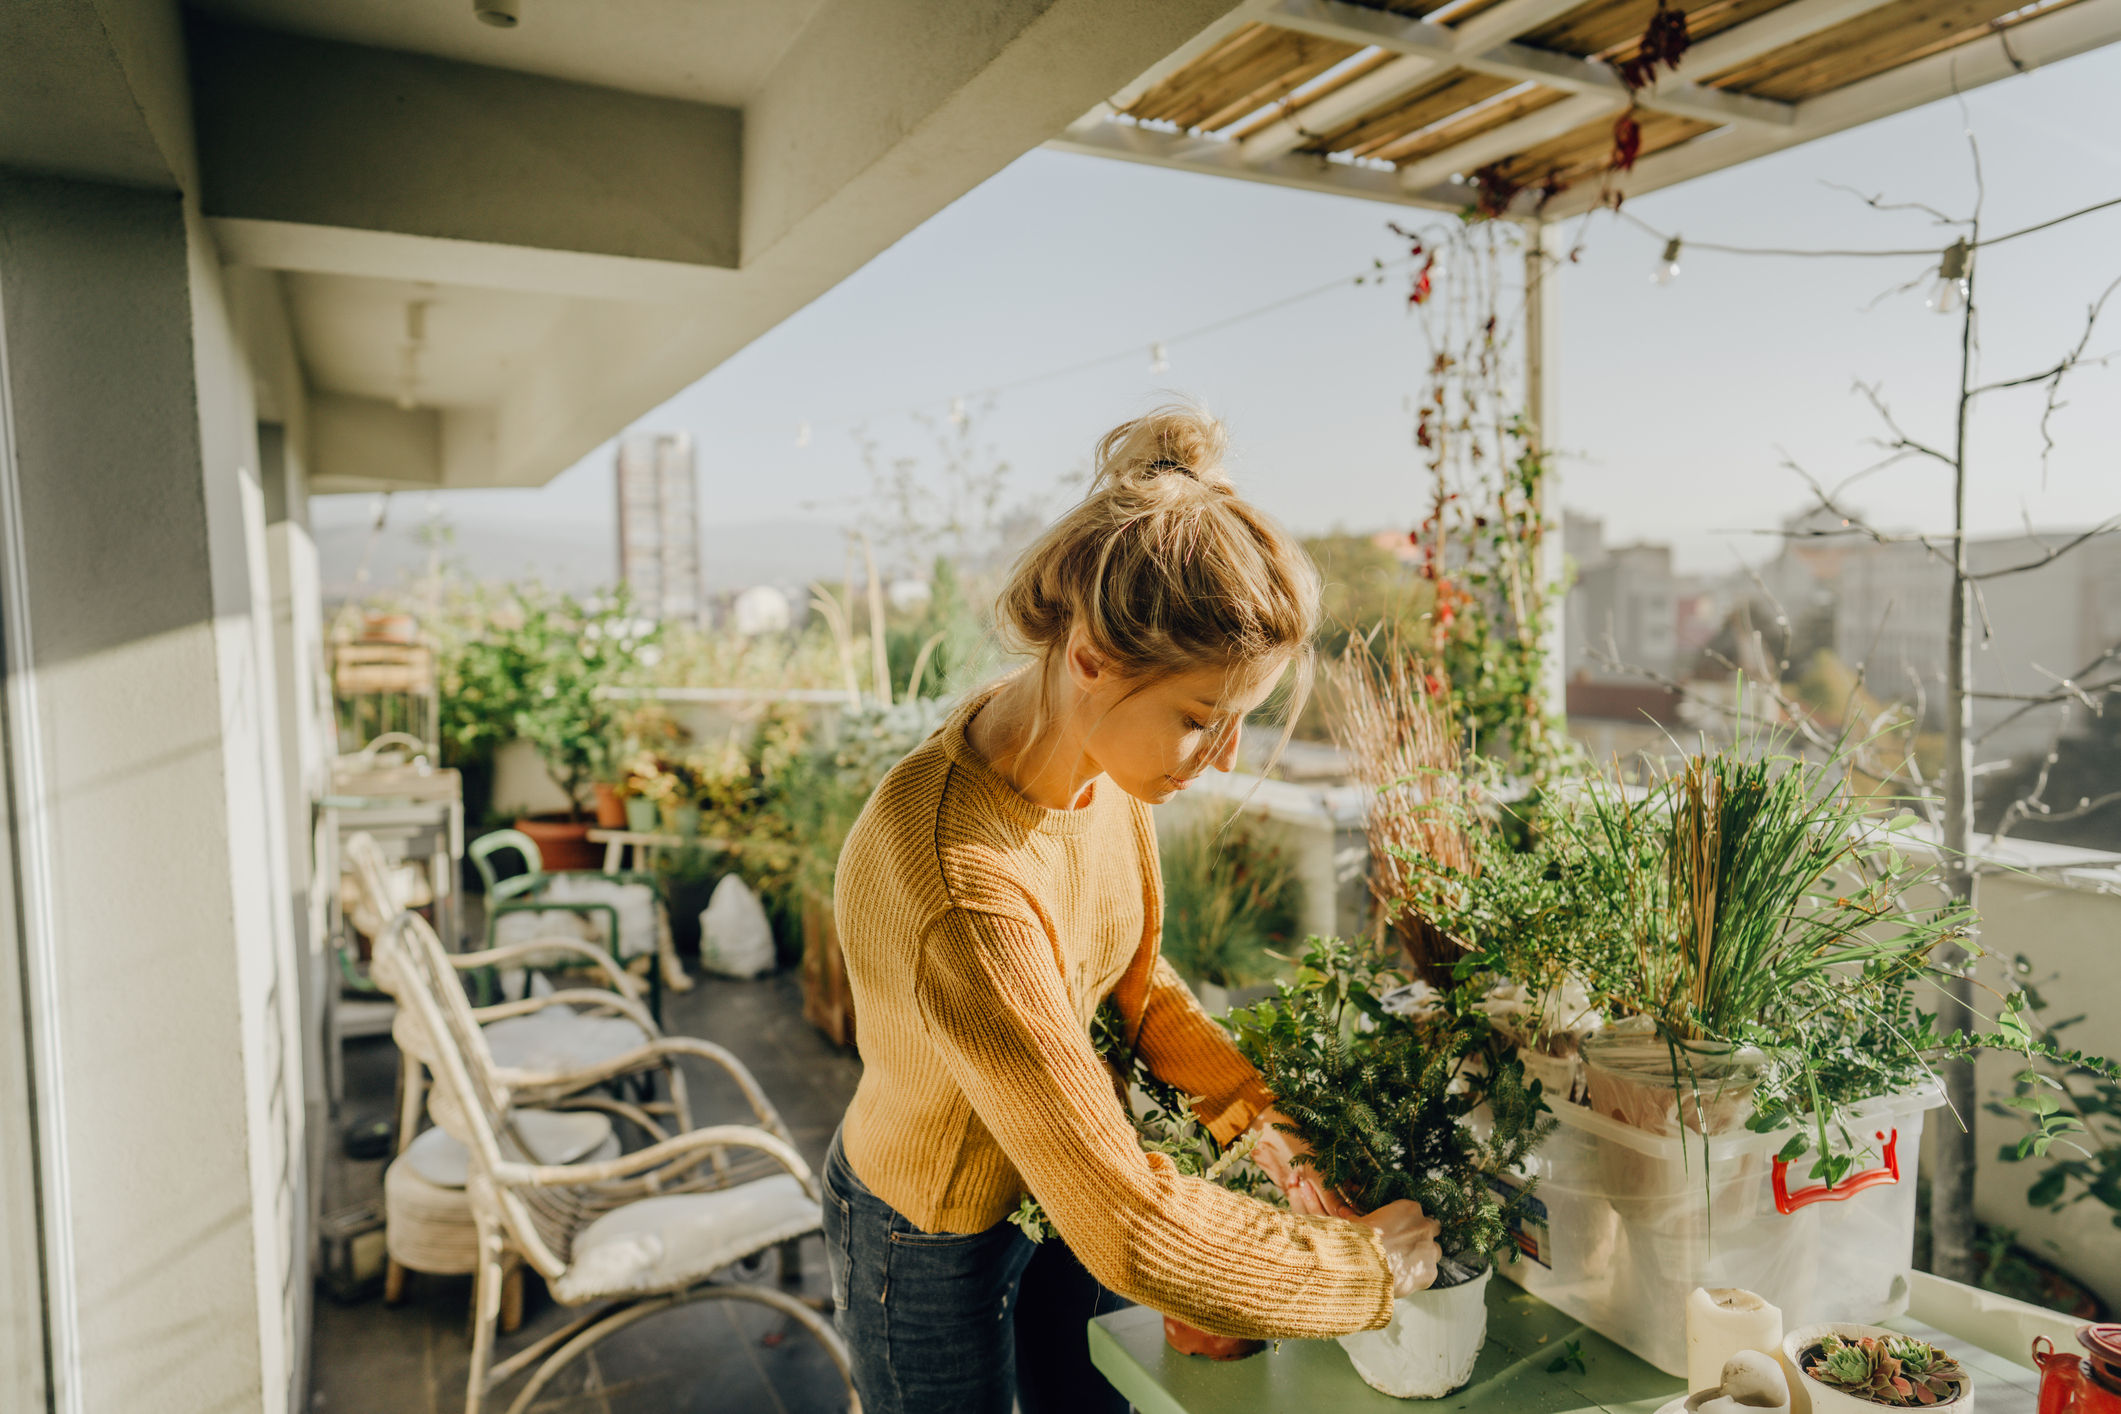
<point x="1407" y="100"/>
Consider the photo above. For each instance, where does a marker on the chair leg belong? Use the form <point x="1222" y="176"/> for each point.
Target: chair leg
<point x="666" y="951"/>
<point x="512" y="1295"/>
<point x="485" y="1312"/>
<point x="412" y="1098"/>
<point x="393" y="1283"/>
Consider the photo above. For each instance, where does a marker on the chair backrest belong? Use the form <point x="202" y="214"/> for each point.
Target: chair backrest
<point x="485" y="847"/>
<point x="468" y="1101"/>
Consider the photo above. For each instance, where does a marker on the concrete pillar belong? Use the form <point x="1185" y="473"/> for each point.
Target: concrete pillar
<point x="149" y="829"/>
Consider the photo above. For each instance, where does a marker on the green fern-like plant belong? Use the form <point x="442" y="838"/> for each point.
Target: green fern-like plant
<point x="1386" y="1100"/>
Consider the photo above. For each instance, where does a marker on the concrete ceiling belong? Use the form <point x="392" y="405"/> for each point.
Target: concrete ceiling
<point x="708" y="51"/>
<point x="592" y="210"/>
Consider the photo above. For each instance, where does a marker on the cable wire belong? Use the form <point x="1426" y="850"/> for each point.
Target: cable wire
<point x="1631" y="217"/>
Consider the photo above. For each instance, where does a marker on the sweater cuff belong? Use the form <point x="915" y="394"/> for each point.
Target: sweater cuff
<point x="1232" y="1114"/>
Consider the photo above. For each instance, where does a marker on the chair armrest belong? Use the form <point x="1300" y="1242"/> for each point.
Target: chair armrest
<point x="643" y="1056"/>
<point x="622" y="981"/>
<point x="693" y="1144"/>
<point x="574" y="996"/>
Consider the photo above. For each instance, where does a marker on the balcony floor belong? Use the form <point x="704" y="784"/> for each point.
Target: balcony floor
<point x="731" y="1357"/>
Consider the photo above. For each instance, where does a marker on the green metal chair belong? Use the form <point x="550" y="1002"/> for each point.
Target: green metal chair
<point x="528" y="892"/>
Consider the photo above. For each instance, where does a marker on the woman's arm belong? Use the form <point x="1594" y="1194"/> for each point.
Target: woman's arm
<point x="998" y="1013"/>
<point x="1184" y="1047"/>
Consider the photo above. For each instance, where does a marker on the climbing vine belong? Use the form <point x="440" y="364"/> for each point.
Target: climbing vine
<point x="1480" y="542"/>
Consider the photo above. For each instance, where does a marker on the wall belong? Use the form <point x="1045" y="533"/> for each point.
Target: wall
<point x="150" y="828"/>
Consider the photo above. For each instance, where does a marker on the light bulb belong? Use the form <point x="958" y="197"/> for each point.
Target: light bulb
<point x="1667" y="267"/>
<point x="1948" y="295"/>
<point x="1159" y="361"/>
<point x="802" y="434"/>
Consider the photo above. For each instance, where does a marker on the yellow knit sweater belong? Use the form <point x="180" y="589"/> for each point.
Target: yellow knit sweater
<point x="981" y="933"/>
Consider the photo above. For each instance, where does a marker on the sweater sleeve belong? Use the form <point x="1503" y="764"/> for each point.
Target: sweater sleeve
<point x="998" y="1013"/>
<point x="1184" y="1047"/>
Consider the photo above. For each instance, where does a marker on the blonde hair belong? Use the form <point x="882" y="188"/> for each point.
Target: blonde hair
<point x="1166" y="568"/>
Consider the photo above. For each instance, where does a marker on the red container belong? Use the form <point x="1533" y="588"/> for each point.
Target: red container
<point x="2071" y="1384"/>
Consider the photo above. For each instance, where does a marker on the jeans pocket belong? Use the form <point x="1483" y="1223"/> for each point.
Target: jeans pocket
<point x="839" y="1246"/>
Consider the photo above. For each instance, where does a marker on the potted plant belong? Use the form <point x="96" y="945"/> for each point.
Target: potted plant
<point x="1851" y="1369"/>
<point x="564" y="657"/>
<point x="1751" y="929"/>
<point x="1428" y="1104"/>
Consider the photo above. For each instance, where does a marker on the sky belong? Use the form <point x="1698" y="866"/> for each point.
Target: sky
<point x="1678" y="404"/>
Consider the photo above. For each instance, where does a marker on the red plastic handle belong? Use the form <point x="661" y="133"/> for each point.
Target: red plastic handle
<point x="1787" y="1202"/>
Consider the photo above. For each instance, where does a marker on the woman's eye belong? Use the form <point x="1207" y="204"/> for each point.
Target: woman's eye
<point x="1193" y="726"/>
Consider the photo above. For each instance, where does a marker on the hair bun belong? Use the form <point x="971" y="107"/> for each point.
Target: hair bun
<point x="1135" y="456"/>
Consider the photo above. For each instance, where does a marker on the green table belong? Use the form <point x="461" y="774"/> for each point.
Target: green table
<point x="1525" y="1335"/>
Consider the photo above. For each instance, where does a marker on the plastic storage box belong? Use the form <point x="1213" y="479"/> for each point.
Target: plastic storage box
<point x="1624" y="1224"/>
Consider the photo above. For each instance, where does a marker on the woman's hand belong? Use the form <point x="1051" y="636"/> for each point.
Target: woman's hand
<point x="1409" y="1236"/>
<point x="1277" y="1153"/>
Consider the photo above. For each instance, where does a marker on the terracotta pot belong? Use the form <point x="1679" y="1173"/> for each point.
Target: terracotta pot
<point x="563" y="844"/>
<point x="1192" y="1340"/>
<point x="611" y="808"/>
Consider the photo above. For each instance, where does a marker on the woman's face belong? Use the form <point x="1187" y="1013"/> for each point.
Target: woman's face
<point x="1154" y="738"/>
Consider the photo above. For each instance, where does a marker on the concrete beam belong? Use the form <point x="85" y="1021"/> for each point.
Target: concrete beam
<point x="91" y="89"/>
<point x="307" y="132"/>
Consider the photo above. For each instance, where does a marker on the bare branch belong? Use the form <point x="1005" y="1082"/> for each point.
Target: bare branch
<point x="1879" y="203"/>
<point x="2105" y="527"/>
<point x="2112" y="654"/>
<point x="1900" y="438"/>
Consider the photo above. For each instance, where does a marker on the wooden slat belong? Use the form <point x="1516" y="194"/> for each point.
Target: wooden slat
<point x="1258" y="65"/>
<point x="1452" y="92"/>
<point x="1612" y="29"/>
<point x="1417" y="145"/>
<point x="1304" y="100"/>
<point x="1869" y="45"/>
<point x="1580" y="155"/>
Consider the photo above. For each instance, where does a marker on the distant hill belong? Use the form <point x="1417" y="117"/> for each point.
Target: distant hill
<point x="790" y="551"/>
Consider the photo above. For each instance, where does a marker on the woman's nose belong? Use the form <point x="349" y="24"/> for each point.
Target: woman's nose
<point x="1225" y="758"/>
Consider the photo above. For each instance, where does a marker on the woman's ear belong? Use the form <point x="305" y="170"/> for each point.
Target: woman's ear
<point x="1087" y="668"/>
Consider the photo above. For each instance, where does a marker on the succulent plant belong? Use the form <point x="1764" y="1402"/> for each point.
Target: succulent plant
<point x="1893" y="1369"/>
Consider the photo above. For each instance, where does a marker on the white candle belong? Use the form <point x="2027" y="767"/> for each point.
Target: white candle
<point x="1720" y="1322"/>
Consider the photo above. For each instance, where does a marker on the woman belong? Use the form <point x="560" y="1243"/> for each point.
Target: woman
<point x="1000" y="885"/>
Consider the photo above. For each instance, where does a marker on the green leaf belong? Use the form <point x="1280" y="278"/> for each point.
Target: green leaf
<point x="1797" y="1145"/>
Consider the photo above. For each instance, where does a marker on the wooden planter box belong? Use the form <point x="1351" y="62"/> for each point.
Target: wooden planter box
<point x="828" y="1003"/>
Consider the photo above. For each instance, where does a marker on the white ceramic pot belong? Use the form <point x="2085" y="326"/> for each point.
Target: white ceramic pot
<point x="1808" y="1396"/>
<point x="1430" y="1347"/>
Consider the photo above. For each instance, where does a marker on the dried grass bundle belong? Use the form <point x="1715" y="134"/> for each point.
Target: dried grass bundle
<point x="1392" y="720"/>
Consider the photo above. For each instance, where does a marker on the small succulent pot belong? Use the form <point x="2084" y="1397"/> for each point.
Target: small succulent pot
<point x="1192" y="1340"/>
<point x="641" y="815"/>
<point x="1431" y="1345"/>
<point x="1820" y="1389"/>
<point x="611" y="807"/>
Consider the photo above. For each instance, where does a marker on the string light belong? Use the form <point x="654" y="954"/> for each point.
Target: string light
<point x="1948" y="295"/>
<point x="1159" y="361"/>
<point x="1667" y="269"/>
<point x="802" y="435"/>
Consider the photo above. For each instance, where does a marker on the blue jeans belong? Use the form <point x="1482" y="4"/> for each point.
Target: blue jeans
<point x="959" y="1323"/>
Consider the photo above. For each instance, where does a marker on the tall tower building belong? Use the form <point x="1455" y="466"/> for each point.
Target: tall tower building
<point x="659" y="529"/>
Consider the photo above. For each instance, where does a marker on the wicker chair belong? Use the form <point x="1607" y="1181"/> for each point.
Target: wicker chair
<point x="543" y="1040"/>
<point x="641" y="1234"/>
